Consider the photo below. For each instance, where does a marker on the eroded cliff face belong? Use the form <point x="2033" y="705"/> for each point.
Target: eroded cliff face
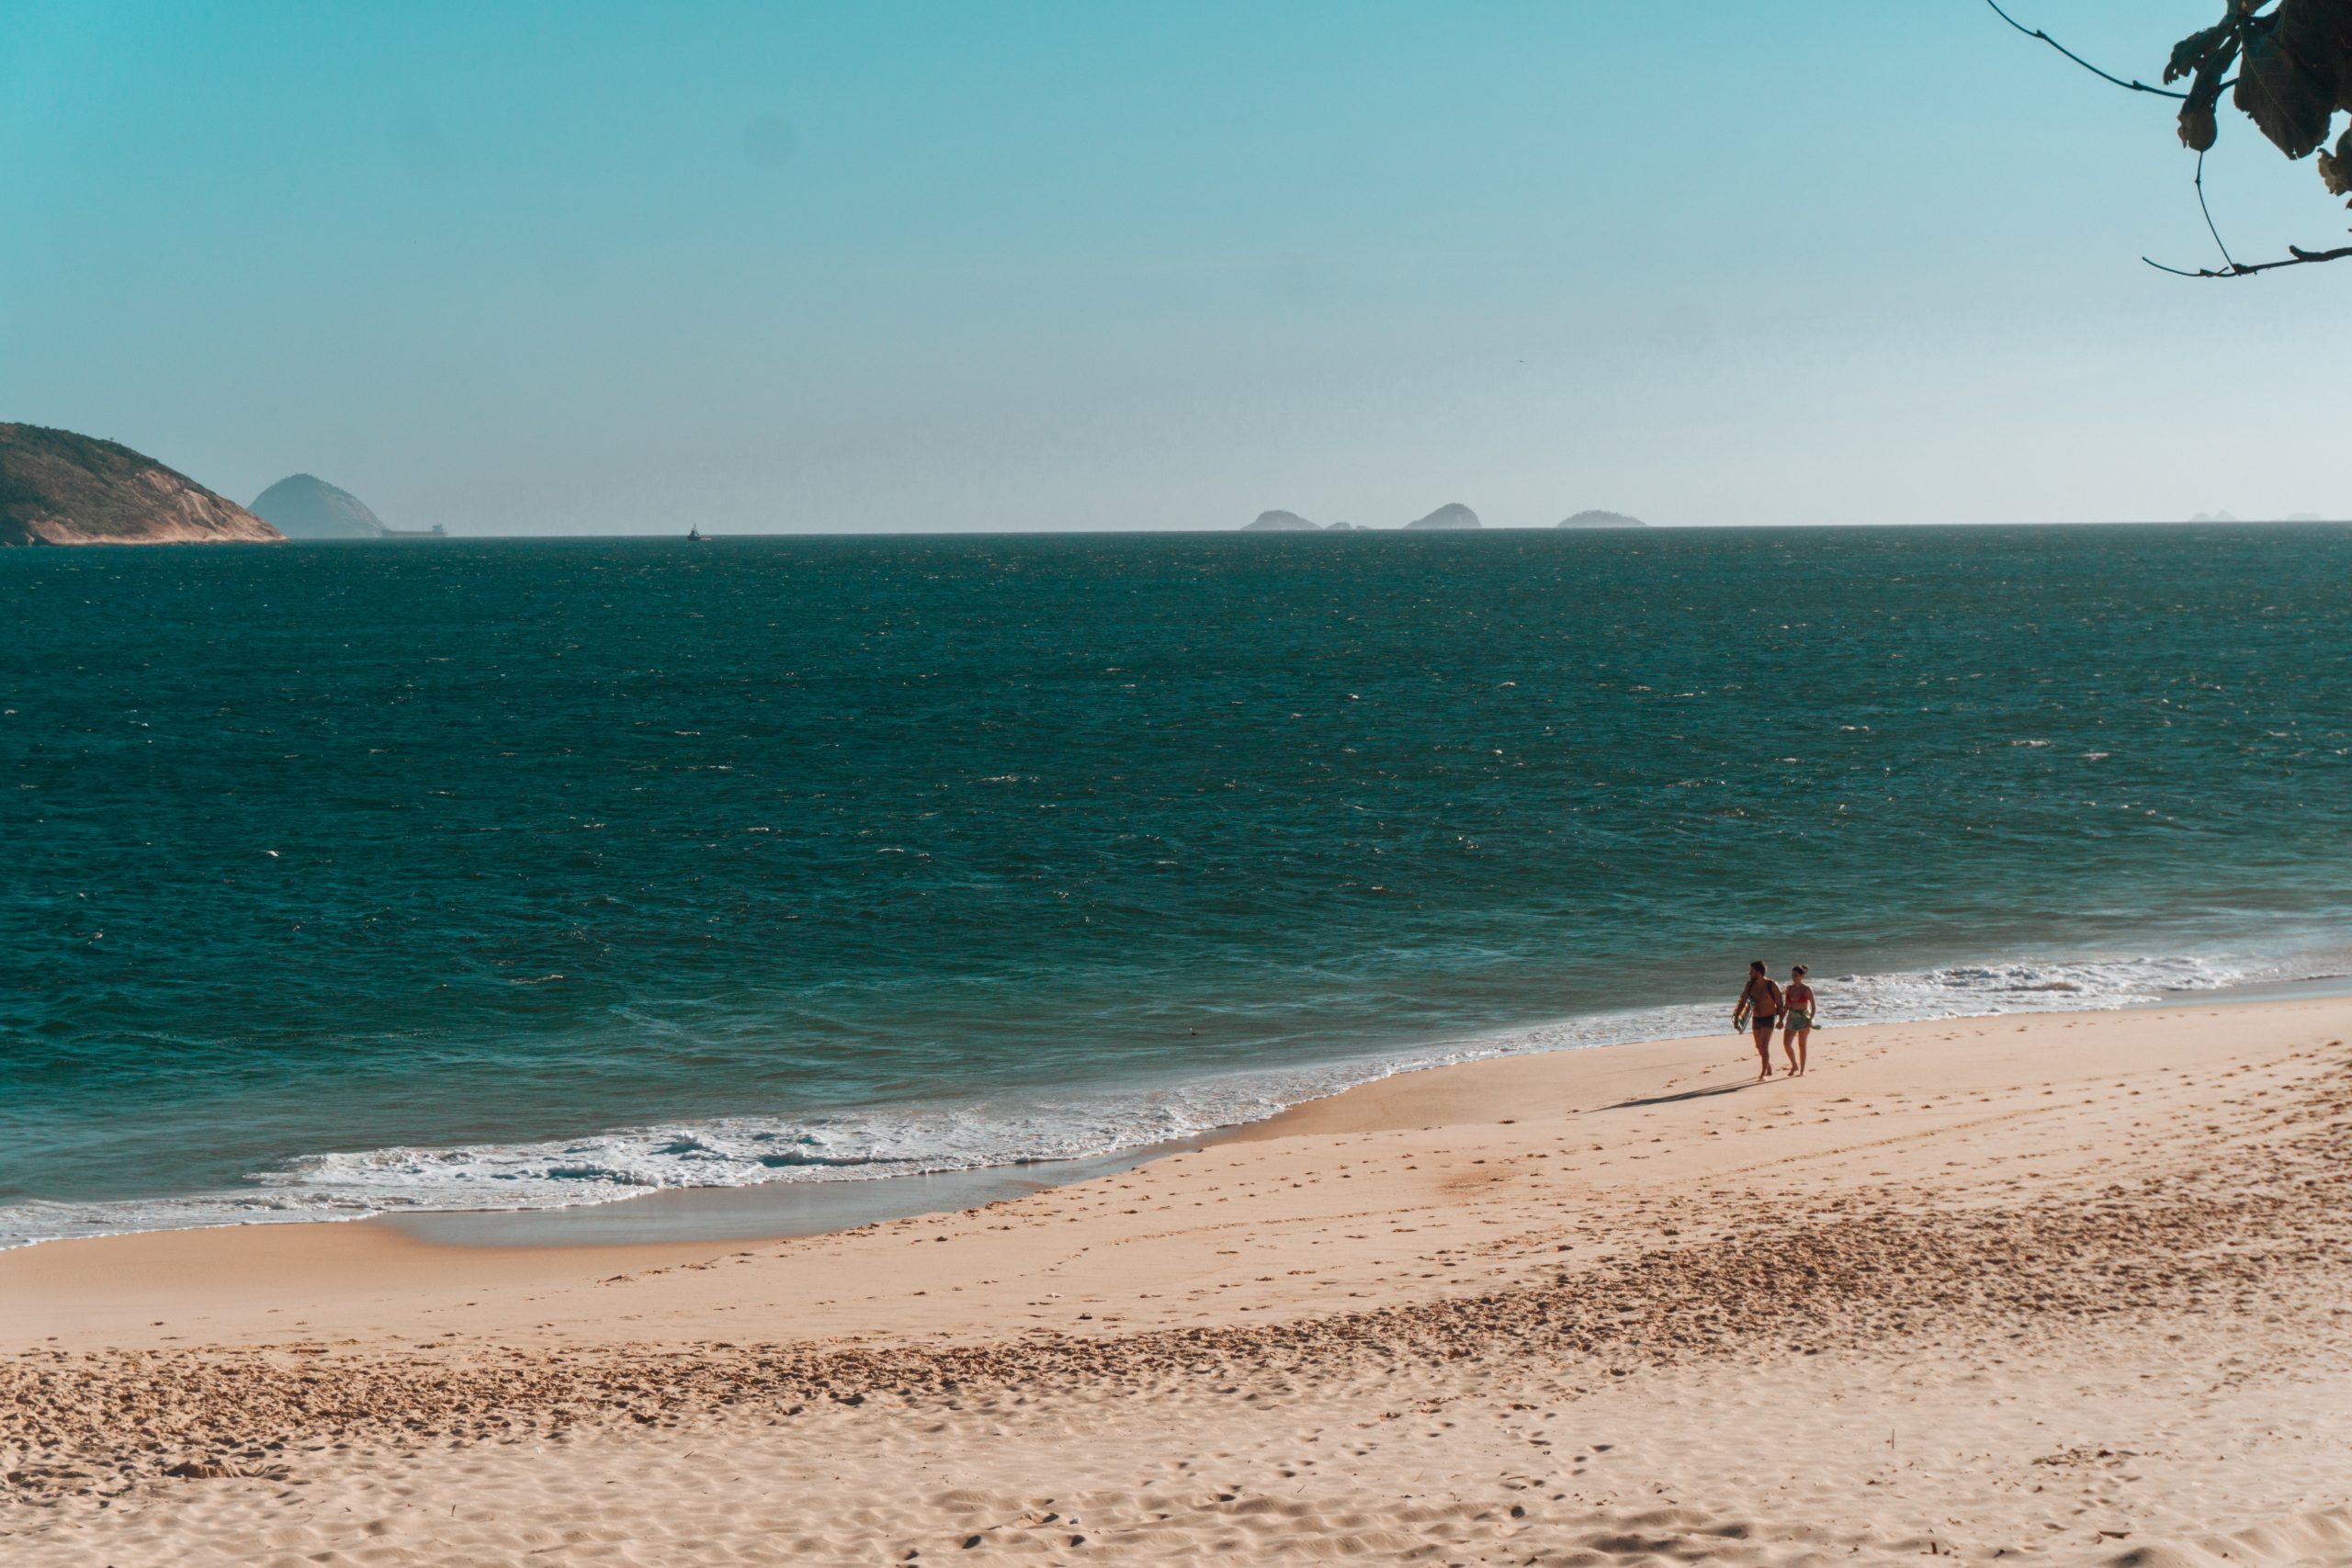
<point x="59" y="488"/>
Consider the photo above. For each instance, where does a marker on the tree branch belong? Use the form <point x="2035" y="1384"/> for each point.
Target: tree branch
<point x="2219" y="243"/>
<point x="2296" y="256"/>
<point x="2102" y="75"/>
<point x="2205" y="46"/>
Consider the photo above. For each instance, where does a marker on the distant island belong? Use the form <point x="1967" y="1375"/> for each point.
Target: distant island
<point x="1291" y="523"/>
<point x="1280" y="523"/>
<point x="303" y="506"/>
<point x="61" y="488"/>
<point x="1452" y="514"/>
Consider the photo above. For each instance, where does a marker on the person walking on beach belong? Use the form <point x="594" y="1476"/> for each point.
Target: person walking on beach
<point x="1759" y="1010"/>
<point x="1798" y="1024"/>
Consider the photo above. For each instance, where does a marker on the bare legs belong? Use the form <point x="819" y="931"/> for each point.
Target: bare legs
<point x="1793" y="1041"/>
<point x="1763" y="1051"/>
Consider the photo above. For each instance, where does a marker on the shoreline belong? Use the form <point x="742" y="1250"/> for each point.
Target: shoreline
<point x="346" y="1257"/>
<point x="2024" y="1286"/>
<point x="786" y="1209"/>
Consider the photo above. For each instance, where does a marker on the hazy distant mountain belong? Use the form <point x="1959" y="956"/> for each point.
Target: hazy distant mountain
<point x="304" y="506"/>
<point x="58" y="488"/>
<point x="1452" y="514"/>
<point x="2215" y="517"/>
<point x="1601" y="520"/>
<point x="1344" y="527"/>
<point x="1280" y="523"/>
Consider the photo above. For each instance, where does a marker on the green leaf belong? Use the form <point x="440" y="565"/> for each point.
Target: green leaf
<point x="2296" y="71"/>
<point x="2335" y="167"/>
<point x="2198" y="130"/>
<point x="2191" y="54"/>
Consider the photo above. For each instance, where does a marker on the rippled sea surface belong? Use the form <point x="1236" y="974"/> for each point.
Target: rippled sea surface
<point x="341" y="876"/>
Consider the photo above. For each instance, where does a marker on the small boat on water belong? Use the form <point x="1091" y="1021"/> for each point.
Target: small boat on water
<point x="693" y="536"/>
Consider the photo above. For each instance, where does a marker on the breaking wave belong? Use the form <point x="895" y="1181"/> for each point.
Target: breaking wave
<point x="928" y="1139"/>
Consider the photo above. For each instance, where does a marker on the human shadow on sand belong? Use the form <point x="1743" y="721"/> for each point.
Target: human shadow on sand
<point x="1686" y="1094"/>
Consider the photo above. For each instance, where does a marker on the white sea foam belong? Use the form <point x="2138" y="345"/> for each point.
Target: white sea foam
<point x="741" y="1152"/>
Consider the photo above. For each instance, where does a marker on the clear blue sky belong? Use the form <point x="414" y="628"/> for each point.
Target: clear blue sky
<point x="603" y="268"/>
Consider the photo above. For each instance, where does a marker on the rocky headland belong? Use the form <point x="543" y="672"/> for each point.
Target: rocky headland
<point x="61" y="488"/>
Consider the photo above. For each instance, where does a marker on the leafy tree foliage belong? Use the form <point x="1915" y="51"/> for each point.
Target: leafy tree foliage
<point x="2294" y="72"/>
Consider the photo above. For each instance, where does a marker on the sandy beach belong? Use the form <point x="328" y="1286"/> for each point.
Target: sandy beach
<point x="2073" y="1288"/>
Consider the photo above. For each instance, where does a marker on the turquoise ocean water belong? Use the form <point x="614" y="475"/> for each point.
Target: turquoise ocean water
<point x="343" y="878"/>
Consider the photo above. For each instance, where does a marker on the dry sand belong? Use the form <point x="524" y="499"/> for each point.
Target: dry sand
<point x="2071" y="1288"/>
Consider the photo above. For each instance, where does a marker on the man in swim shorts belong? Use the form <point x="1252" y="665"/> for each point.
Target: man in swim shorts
<point x="1759" y="1010"/>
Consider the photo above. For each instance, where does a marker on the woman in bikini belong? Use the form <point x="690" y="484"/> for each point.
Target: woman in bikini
<point x="1759" y="1010"/>
<point x="1799" y="1024"/>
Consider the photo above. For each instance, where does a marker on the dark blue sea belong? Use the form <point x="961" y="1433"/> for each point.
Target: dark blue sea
<point x="336" y="878"/>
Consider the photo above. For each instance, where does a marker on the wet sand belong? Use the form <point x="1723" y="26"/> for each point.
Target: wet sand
<point x="2074" y="1287"/>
